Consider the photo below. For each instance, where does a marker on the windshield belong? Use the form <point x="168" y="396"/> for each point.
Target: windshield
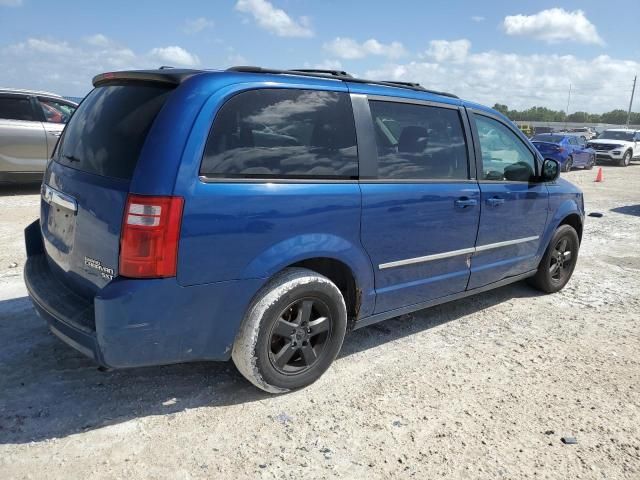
<point x="548" y="138"/>
<point x="616" y="135"/>
<point x="107" y="132"/>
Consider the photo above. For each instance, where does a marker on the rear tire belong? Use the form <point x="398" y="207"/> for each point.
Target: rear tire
<point x="590" y="164"/>
<point x="558" y="261"/>
<point x="292" y="332"/>
<point x="568" y="164"/>
<point x="626" y="159"/>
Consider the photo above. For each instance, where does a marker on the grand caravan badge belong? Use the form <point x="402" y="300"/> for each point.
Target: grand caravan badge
<point x="106" y="272"/>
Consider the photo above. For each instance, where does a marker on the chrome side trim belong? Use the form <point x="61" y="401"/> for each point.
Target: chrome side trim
<point x="455" y="253"/>
<point x="53" y="196"/>
<point x="491" y="246"/>
<point x="427" y="258"/>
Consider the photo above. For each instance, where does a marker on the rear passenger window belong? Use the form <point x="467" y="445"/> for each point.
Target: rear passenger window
<point x="283" y="133"/>
<point x="16" y="108"/>
<point x="419" y="142"/>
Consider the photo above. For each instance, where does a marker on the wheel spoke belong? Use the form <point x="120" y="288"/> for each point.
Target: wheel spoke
<point x="308" y="354"/>
<point x="284" y="328"/>
<point x="285" y="354"/>
<point x="305" y="311"/>
<point x="562" y="246"/>
<point x="567" y="255"/>
<point x="319" y="325"/>
<point x="554" y="268"/>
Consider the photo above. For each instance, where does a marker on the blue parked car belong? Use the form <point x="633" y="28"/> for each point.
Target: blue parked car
<point x="570" y="150"/>
<point x="258" y="215"/>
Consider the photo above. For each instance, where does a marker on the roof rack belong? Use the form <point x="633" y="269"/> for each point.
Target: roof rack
<point x="335" y="73"/>
<point x="339" y="75"/>
<point x="405" y="84"/>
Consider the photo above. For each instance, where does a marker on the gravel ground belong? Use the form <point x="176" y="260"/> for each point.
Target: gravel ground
<point x="481" y="388"/>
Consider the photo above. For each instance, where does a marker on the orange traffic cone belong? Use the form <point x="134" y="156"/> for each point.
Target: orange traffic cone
<point x="599" y="175"/>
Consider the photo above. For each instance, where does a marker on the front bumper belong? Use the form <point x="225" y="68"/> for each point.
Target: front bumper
<point x="133" y="323"/>
<point x="609" y="155"/>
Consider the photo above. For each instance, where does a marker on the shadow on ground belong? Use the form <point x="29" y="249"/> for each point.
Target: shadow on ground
<point x="628" y="210"/>
<point x="48" y="390"/>
<point x="12" y="189"/>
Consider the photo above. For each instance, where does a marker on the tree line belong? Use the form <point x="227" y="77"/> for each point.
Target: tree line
<point x="543" y="114"/>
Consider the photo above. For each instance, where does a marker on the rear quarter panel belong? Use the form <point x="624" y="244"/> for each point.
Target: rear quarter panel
<point x="242" y="230"/>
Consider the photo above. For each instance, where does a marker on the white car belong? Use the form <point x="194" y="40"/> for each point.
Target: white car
<point x="620" y="145"/>
<point x="30" y="124"/>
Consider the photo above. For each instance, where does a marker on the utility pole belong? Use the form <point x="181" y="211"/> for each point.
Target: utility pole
<point x="633" y="90"/>
<point x="567" y="111"/>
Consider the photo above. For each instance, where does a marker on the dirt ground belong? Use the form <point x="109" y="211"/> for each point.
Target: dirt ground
<point x="481" y="388"/>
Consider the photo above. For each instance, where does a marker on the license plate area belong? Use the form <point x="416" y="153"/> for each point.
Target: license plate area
<point x="61" y="218"/>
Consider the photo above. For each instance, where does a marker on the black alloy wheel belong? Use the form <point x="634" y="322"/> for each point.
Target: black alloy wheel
<point x="298" y="338"/>
<point x="561" y="261"/>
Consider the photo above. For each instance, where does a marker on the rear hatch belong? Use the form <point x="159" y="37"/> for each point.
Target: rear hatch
<point x="86" y="185"/>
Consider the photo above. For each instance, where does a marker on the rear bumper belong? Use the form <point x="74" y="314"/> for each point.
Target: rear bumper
<point x="134" y="323"/>
<point x="70" y="317"/>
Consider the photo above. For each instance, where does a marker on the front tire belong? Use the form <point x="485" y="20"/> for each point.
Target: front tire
<point x="292" y="332"/>
<point x="558" y="262"/>
<point x="626" y="159"/>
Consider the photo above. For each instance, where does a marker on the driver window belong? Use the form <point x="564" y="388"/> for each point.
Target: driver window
<point x="504" y="156"/>
<point x="56" y="112"/>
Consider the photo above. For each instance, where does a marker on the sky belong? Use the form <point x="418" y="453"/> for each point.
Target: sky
<point x="521" y="54"/>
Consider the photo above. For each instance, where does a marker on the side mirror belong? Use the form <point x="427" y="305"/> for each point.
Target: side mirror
<point x="550" y="170"/>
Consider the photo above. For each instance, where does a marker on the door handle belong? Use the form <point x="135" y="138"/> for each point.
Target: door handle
<point x="465" y="202"/>
<point x="495" y="201"/>
<point x="55" y="134"/>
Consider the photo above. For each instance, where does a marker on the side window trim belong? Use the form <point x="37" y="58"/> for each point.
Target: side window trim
<point x="476" y="139"/>
<point x="371" y="149"/>
<point x="254" y="178"/>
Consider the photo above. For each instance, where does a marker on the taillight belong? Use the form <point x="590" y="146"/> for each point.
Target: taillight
<point x="150" y="235"/>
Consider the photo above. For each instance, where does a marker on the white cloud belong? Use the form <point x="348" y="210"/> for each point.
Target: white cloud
<point x="522" y="81"/>
<point x="175" y="56"/>
<point x="10" y="3"/>
<point x="98" y="40"/>
<point x="45" y="46"/>
<point x="329" y="65"/>
<point x="348" y="48"/>
<point x="554" y="25"/>
<point x="443" y="50"/>
<point x="478" y="18"/>
<point x="275" y="20"/>
<point x="49" y="64"/>
<point x="196" y="25"/>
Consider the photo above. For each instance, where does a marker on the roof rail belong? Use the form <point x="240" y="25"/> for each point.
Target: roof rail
<point x="338" y="75"/>
<point x="335" y="73"/>
<point x="405" y="84"/>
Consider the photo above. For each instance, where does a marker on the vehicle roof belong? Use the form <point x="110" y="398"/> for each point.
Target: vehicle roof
<point x="29" y="92"/>
<point x="298" y="77"/>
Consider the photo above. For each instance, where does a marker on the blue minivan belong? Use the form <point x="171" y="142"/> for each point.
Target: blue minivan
<point x="258" y="215"/>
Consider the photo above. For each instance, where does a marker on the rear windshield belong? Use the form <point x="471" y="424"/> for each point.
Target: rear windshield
<point x="107" y="132"/>
<point x="548" y="138"/>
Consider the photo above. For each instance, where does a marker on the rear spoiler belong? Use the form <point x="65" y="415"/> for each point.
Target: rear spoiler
<point x="167" y="76"/>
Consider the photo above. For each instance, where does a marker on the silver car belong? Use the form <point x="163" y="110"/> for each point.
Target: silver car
<point x="30" y="124"/>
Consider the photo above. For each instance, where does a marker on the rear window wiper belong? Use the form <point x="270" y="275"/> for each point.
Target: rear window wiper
<point x="71" y="158"/>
